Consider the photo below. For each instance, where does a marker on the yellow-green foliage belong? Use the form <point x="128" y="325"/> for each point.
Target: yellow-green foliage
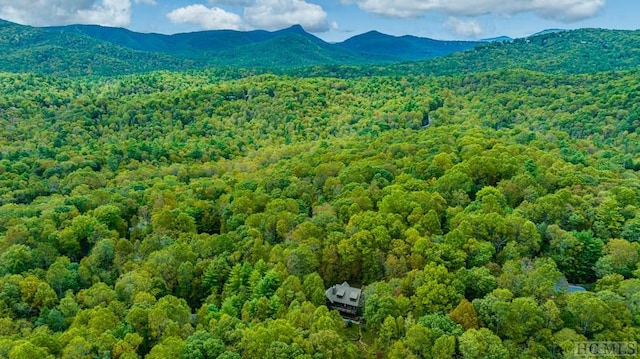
<point x="180" y="214"/>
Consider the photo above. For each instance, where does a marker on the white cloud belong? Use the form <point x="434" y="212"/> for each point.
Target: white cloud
<point x="399" y="8"/>
<point x="568" y="10"/>
<point x="110" y="12"/>
<point x="257" y="14"/>
<point x="563" y="10"/>
<point x="276" y="14"/>
<point x="64" y="12"/>
<point x="207" y="18"/>
<point x="467" y="28"/>
<point x="232" y="2"/>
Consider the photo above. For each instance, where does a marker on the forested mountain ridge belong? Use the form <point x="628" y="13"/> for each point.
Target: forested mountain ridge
<point x="103" y="51"/>
<point x="366" y="48"/>
<point x="581" y="51"/>
<point x="228" y="47"/>
<point x="179" y="214"/>
<point x="28" y="49"/>
<point x="406" y="48"/>
<point x="93" y="50"/>
<point x="567" y="52"/>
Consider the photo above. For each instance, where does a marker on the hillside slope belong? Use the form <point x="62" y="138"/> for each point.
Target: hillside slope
<point x="30" y="49"/>
<point x="95" y="50"/>
<point x="403" y="48"/>
<point x="201" y="44"/>
<point x="576" y="51"/>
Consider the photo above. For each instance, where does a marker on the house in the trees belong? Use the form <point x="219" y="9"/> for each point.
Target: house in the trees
<point x="345" y="299"/>
<point x="563" y="286"/>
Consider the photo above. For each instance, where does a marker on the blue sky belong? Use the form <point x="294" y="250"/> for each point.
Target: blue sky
<point x="334" y="20"/>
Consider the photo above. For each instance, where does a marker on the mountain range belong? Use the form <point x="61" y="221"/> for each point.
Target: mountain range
<point x="79" y="50"/>
<point x="92" y="49"/>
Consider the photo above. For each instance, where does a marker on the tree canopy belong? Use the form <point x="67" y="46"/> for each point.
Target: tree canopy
<point x="183" y="214"/>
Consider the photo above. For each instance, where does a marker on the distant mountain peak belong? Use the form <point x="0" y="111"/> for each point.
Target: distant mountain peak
<point x="498" y="39"/>
<point x="374" y="32"/>
<point x="297" y="28"/>
<point x="403" y="48"/>
<point x="369" y="35"/>
<point x="548" y="31"/>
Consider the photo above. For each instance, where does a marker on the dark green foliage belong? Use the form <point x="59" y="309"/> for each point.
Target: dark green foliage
<point x="440" y="325"/>
<point x="567" y="52"/>
<point x="404" y="48"/>
<point x="202" y="345"/>
<point x="29" y="49"/>
<point x="78" y="50"/>
<point x="16" y="259"/>
<point x="104" y="51"/>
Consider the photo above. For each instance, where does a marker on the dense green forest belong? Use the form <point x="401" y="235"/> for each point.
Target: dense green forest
<point x="178" y="214"/>
<point x="203" y="214"/>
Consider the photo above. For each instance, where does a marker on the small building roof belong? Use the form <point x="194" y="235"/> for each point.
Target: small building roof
<point x="575" y="288"/>
<point x="563" y="286"/>
<point x="344" y="294"/>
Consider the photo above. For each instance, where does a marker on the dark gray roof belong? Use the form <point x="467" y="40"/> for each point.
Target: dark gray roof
<point x="563" y="286"/>
<point x="344" y="294"/>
